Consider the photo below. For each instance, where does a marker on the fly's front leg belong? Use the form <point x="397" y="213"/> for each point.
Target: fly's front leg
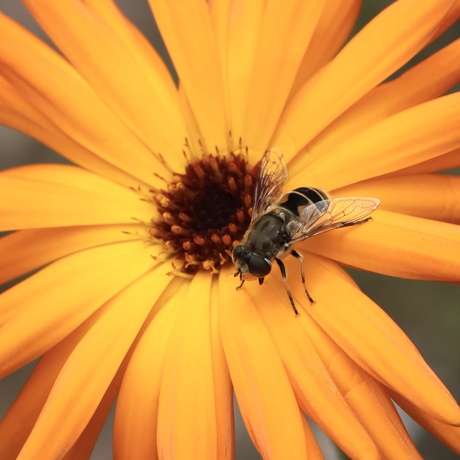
<point x="241" y="279"/>
<point x="299" y="256"/>
<point x="286" y="285"/>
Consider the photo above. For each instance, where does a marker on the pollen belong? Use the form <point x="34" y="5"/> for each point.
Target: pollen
<point x="204" y="212"/>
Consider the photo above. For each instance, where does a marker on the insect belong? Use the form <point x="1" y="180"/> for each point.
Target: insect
<point x="280" y="220"/>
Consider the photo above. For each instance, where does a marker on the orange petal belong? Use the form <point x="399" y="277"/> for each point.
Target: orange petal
<point x="84" y="446"/>
<point x="283" y="27"/>
<point x="79" y="284"/>
<point x="418" y="84"/>
<point x="136" y="416"/>
<point x="335" y="24"/>
<point x="313" y="449"/>
<point x="23" y="413"/>
<point x="373" y="340"/>
<point x="27" y="250"/>
<point x="243" y="35"/>
<point x="406" y="138"/>
<point x="141" y="91"/>
<point x="434" y="196"/>
<point x="258" y="374"/>
<point x="64" y="196"/>
<point x="447" y="434"/>
<point x="91" y="367"/>
<point x="314" y="387"/>
<point x="396" y="245"/>
<point x="384" y="45"/>
<point x="187" y="30"/>
<point x="61" y="94"/>
<point x="367" y="398"/>
<point x="222" y="385"/>
<point x="447" y="161"/>
<point x="17" y="113"/>
<point x="187" y="383"/>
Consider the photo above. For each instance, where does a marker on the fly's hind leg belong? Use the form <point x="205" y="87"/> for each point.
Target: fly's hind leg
<point x="286" y="285"/>
<point x="299" y="256"/>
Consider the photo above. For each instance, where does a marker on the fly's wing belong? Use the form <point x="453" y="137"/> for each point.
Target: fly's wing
<point x="330" y="214"/>
<point x="270" y="182"/>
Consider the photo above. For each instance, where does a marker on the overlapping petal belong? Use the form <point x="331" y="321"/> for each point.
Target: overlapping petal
<point x="90" y="368"/>
<point x="260" y="381"/>
<point x="198" y="65"/>
<point x="404" y="139"/>
<point x="27" y="250"/>
<point x="31" y="322"/>
<point x="189" y="399"/>
<point x="373" y="340"/>
<point x="397" y="245"/>
<point x="308" y="374"/>
<point x="293" y="28"/>
<point x="415" y="86"/>
<point x="137" y="87"/>
<point x="137" y="406"/>
<point x="18" y="113"/>
<point x="61" y="195"/>
<point x="370" y="57"/>
<point x="446" y="433"/>
<point x="61" y="94"/>
<point x="432" y="196"/>
<point x="334" y="25"/>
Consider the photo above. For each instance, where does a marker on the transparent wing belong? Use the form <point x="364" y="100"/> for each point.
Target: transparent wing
<point x="330" y="214"/>
<point x="270" y="182"/>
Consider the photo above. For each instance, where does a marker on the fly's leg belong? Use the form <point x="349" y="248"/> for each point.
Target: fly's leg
<point x="299" y="256"/>
<point x="241" y="279"/>
<point x="286" y="285"/>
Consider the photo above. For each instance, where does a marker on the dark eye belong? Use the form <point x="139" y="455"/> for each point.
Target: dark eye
<point x="259" y="266"/>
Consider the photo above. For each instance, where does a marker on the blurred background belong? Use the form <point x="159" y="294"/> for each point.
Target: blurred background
<point x="428" y="312"/>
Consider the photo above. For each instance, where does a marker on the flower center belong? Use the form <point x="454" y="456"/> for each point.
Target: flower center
<point x="205" y="212"/>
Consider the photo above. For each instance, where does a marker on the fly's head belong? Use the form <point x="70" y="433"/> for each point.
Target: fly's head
<point x="249" y="264"/>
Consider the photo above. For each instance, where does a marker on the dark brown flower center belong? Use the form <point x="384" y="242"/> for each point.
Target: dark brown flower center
<point x="204" y="212"/>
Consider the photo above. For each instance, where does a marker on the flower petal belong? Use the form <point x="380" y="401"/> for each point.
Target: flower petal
<point x="447" y="161"/>
<point x="447" y="434"/>
<point x="27" y="250"/>
<point x="314" y="387"/>
<point x="238" y="28"/>
<point x="373" y="340"/>
<point x="396" y="245"/>
<point x="282" y="28"/>
<point x="23" y="413"/>
<point x="140" y="91"/>
<point x="417" y="85"/>
<point x="368" y="399"/>
<point x="136" y="415"/>
<point x="197" y="63"/>
<point x="406" y="138"/>
<point x="83" y="448"/>
<point x="17" y="113"/>
<point x="335" y="24"/>
<point x="384" y="45"/>
<point x="434" y="196"/>
<point x="187" y="384"/>
<point x="257" y="375"/>
<point x="31" y="323"/>
<point x="65" y="196"/>
<point x="91" y="367"/>
<point x="60" y="94"/>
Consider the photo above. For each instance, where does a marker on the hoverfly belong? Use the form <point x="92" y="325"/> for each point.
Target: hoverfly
<point x="279" y="220"/>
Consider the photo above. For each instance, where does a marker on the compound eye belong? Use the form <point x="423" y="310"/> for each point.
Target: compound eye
<point x="259" y="266"/>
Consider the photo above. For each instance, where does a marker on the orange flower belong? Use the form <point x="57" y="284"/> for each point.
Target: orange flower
<point x="130" y="293"/>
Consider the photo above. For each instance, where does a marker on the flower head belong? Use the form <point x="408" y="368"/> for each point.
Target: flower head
<point x="131" y="294"/>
